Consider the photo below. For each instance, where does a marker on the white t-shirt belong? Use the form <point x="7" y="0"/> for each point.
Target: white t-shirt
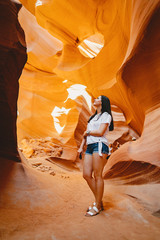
<point x="94" y="124"/>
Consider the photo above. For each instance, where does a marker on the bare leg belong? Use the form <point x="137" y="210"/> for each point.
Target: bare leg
<point x="98" y="165"/>
<point x="87" y="172"/>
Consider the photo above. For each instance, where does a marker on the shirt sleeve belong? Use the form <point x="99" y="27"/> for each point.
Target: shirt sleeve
<point x="106" y="118"/>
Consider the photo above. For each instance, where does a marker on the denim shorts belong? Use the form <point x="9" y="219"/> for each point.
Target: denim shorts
<point x="93" y="148"/>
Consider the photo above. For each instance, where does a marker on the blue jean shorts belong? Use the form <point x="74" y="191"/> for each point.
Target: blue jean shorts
<point x="93" y="148"/>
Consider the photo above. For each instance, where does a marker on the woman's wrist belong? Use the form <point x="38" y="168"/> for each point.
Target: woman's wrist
<point x="88" y="132"/>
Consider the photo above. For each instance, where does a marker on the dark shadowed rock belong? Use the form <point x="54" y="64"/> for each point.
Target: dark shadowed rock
<point x="12" y="59"/>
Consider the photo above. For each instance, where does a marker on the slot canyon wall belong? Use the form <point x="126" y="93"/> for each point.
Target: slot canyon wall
<point x="13" y="57"/>
<point x="125" y="70"/>
<point x="46" y="47"/>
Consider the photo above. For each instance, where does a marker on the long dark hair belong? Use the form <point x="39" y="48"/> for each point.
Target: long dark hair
<point x="106" y="107"/>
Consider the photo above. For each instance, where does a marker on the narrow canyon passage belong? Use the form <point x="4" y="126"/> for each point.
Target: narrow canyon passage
<point x="56" y="57"/>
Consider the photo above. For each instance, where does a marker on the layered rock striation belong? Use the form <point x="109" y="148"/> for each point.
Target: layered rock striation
<point x="126" y="70"/>
<point x="113" y="51"/>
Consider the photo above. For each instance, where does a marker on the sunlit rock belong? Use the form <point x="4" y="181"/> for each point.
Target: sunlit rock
<point x="111" y="48"/>
<point x="123" y="66"/>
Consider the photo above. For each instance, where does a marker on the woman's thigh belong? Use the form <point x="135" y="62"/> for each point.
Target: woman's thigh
<point x="99" y="163"/>
<point x="88" y="165"/>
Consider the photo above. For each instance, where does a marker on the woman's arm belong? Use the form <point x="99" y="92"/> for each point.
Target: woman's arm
<point x="97" y="133"/>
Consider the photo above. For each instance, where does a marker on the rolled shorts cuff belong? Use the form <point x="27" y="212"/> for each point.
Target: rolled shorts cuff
<point x="97" y="148"/>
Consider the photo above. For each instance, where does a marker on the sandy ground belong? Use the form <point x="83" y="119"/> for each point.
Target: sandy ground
<point x="61" y="215"/>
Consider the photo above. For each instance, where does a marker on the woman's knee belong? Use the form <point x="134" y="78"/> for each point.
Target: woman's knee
<point x="86" y="176"/>
<point x="97" y="176"/>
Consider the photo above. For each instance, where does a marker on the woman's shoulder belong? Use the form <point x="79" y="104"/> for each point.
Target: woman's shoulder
<point x="105" y="114"/>
<point x="106" y="117"/>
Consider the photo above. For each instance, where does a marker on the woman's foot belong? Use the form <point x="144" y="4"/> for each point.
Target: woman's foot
<point x="93" y="212"/>
<point x="94" y="204"/>
<point x="90" y="207"/>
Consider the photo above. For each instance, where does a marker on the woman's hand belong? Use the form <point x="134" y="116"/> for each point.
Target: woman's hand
<point x="80" y="151"/>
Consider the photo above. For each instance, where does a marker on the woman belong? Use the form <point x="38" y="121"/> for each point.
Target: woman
<point x="97" y="151"/>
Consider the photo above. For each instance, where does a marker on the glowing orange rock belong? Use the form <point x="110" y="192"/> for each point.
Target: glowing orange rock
<point x="125" y="68"/>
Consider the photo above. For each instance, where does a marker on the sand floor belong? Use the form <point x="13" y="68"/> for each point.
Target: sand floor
<point x="55" y="210"/>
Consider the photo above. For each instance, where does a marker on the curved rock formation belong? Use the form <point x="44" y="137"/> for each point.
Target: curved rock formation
<point x="62" y="43"/>
<point x="140" y="73"/>
<point x="122" y="70"/>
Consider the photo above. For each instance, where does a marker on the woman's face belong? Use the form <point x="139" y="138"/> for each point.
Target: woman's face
<point x="97" y="101"/>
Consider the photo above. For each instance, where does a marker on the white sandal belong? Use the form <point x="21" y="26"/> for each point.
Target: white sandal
<point x="90" y="207"/>
<point x="94" y="204"/>
<point x="91" y="214"/>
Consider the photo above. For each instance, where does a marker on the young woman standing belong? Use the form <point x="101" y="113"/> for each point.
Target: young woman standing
<point x="97" y="151"/>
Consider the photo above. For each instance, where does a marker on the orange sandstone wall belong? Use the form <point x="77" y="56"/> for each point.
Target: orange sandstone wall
<point x="141" y="74"/>
<point x="126" y="69"/>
